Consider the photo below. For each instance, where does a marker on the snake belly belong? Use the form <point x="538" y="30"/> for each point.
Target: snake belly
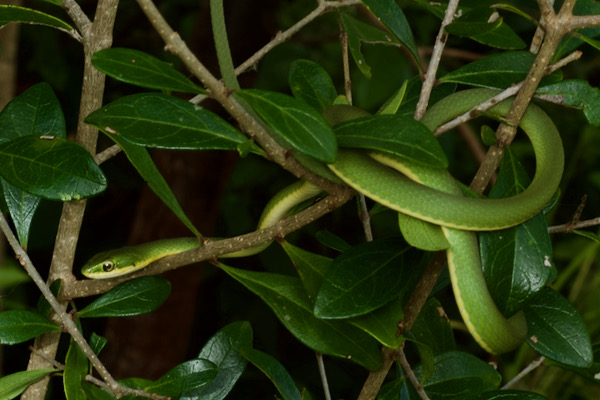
<point x="432" y="195"/>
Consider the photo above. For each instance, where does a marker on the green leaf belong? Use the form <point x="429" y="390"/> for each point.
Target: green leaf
<point x="517" y="262"/>
<point x="359" y="32"/>
<point x="497" y="71"/>
<point x="94" y="392"/>
<point x="9" y="13"/>
<point x="432" y="328"/>
<point x="592" y="236"/>
<point x="311" y="267"/>
<point x="474" y="22"/>
<point x="157" y="120"/>
<point x="51" y="168"/>
<point x="76" y="368"/>
<point x="310" y="83"/>
<point x="43" y="307"/>
<point x="332" y="241"/>
<point x="185" y="377"/>
<point x="274" y="371"/>
<point x="141" y="160"/>
<point x="393" y="134"/>
<point x="509" y="395"/>
<point x="365" y="278"/>
<point x="14" y="384"/>
<point x="388" y="12"/>
<point x="22" y="207"/>
<point x="556" y="330"/>
<point x="383" y="323"/>
<point x="222" y="350"/>
<point x="503" y="37"/>
<point x="575" y="93"/>
<point x="287" y="298"/>
<point x="36" y="111"/>
<point x="142" y="69"/>
<point x="459" y="375"/>
<point x="17" y="326"/>
<point x="134" y="297"/>
<point x="295" y="121"/>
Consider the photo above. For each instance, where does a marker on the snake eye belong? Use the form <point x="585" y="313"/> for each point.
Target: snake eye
<point x="108" y="266"/>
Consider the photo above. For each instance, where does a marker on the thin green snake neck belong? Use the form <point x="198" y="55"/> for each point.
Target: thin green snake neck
<point x="443" y="206"/>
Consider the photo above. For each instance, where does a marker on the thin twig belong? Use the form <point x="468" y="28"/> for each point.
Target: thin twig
<point x="570" y="226"/>
<point x="410" y="374"/>
<point x="323" y="375"/>
<point x="107" y="154"/>
<point x="434" y="62"/>
<point x="534" y="364"/>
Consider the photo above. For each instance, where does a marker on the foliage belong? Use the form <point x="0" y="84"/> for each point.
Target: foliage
<point x="355" y="292"/>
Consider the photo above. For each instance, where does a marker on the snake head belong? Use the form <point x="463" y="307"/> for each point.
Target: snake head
<point x="112" y="263"/>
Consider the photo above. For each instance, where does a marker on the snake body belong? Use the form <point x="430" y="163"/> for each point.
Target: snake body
<point x="432" y="195"/>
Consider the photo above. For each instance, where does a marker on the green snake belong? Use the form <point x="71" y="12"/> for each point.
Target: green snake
<point x="424" y="193"/>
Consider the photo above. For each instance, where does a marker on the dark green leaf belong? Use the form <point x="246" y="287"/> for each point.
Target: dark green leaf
<point x="295" y="121"/>
<point x="51" y="168"/>
<point x="14" y="384"/>
<point x="311" y="267"/>
<point x="222" y="350"/>
<point x="312" y="84"/>
<point x="36" y="111"/>
<point x="383" y="323"/>
<point x="332" y="241"/>
<point x="556" y="330"/>
<point x="516" y="262"/>
<point x="141" y="160"/>
<point x="474" y="22"/>
<point x="274" y="371"/>
<point x="394" y="134"/>
<point x="185" y="377"/>
<point x="134" y="297"/>
<point x="388" y="12"/>
<point x="575" y="93"/>
<point x="142" y="69"/>
<point x="571" y="42"/>
<point x="509" y="395"/>
<point x="459" y="375"/>
<point x="365" y="278"/>
<point x="359" y="32"/>
<point x="94" y="392"/>
<point x="432" y="328"/>
<point x="9" y="13"/>
<point x="22" y="207"/>
<point x="97" y="342"/>
<point x="17" y="326"/>
<point x="497" y="71"/>
<point x="592" y="236"/>
<point x="157" y="120"/>
<point x="76" y="368"/>
<point x="503" y="37"/>
<point x="287" y="297"/>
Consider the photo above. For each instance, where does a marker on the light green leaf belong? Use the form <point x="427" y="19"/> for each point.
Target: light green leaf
<point x="295" y="121"/>
<point x="17" y="326"/>
<point x="310" y="83"/>
<point x="287" y="298"/>
<point x="383" y="323"/>
<point x="157" y="120"/>
<point x="185" y="377"/>
<point x="556" y="330"/>
<point x="509" y="395"/>
<point x="14" y="384"/>
<point x="9" y="13"/>
<point x="393" y="134"/>
<point x="274" y="371"/>
<point x="133" y="297"/>
<point x="51" y="168"/>
<point x="142" y="69"/>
